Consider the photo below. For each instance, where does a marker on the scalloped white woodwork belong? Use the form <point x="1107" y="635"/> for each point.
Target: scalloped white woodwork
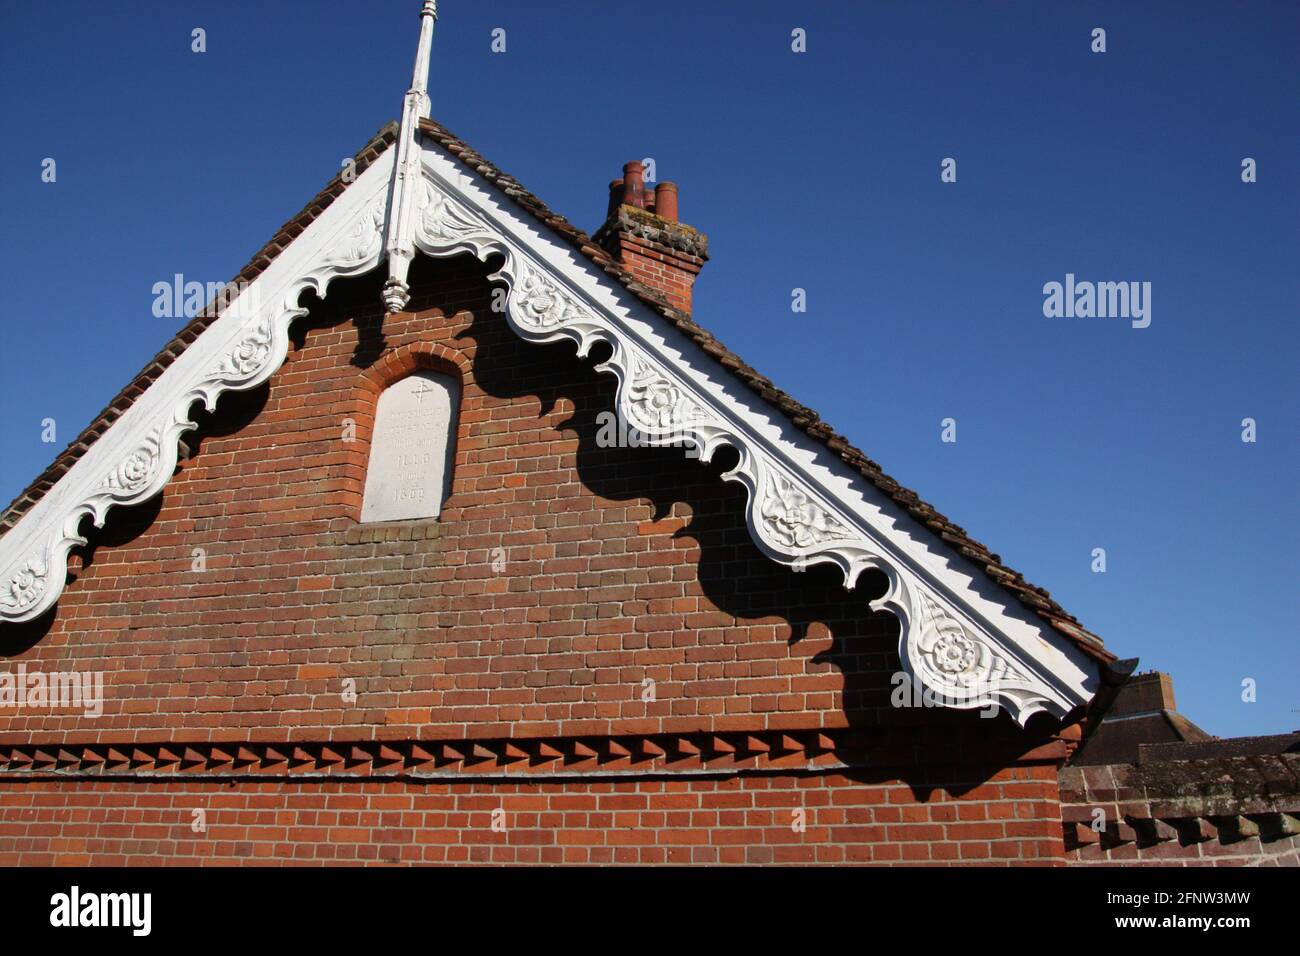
<point x="962" y="637"/>
<point x="136" y="457"/>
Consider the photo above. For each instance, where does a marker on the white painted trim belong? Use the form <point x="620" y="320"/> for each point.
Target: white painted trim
<point x="961" y="635"/>
<point x="399" y="242"/>
<point x="135" y="458"/>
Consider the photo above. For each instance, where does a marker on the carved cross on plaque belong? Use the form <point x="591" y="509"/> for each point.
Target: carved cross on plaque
<point x="412" y="449"/>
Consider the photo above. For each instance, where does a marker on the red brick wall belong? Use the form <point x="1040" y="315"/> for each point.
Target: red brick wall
<point x="1011" y="819"/>
<point x="622" y="566"/>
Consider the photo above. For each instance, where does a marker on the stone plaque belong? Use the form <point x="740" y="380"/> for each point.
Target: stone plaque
<point x="413" y="448"/>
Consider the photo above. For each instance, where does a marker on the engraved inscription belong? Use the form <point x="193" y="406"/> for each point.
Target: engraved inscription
<point x="413" y="449"/>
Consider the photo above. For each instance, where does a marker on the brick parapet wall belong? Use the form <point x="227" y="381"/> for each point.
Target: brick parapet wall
<point x="1239" y="811"/>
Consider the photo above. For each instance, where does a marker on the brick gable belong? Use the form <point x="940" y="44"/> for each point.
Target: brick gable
<point x="622" y="565"/>
<point x="599" y="591"/>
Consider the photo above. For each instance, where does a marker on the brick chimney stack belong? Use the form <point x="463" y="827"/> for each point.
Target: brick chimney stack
<point x="641" y="231"/>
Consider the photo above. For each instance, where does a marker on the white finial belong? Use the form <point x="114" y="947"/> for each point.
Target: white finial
<point x="420" y="75"/>
<point x="399" y="241"/>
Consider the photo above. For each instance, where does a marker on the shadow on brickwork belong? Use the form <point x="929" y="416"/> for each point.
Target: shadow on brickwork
<point x="738" y="578"/>
<point x="235" y="410"/>
<point x="733" y="574"/>
<point x="354" y="300"/>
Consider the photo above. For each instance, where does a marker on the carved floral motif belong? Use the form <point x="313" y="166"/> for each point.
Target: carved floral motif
<point x="26" y="586"/>
<point x="656" y="403"/>
<point x="951" y="655"/>
<point x="134" y="471"/>
<point x="794" y="518"/>
<point x="251" y="353"/>
<point x="954" y="653"/>
<point x="541" y="304"/>
<point x="948" y="652"/>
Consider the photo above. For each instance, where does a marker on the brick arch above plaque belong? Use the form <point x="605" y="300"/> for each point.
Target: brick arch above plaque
<point x="412" y="448"/>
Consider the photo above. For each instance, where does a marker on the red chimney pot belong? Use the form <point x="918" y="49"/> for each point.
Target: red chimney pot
<point x="649" y="242"/>
<point x="615" y="197"/>
<point x="633" y="185"/>
<point x="666" y="201"/>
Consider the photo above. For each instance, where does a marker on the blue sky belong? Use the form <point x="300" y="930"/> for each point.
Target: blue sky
<point x="819" y="171"/>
